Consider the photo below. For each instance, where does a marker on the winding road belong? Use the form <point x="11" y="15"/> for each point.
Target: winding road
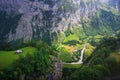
<point x="80" y="61"/>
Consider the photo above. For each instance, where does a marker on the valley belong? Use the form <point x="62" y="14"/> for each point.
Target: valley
<point x="59" y="39"/>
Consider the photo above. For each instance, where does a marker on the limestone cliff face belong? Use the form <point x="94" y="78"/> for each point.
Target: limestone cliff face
<point x="42" y="18"/>
<point x="119" y="5"/>
<point x="114" y="3"/>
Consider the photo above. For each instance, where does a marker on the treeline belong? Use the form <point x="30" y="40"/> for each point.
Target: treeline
<point x="14" y="45"/>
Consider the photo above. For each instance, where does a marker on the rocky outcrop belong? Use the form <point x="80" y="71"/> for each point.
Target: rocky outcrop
<point x="57" y="74"/>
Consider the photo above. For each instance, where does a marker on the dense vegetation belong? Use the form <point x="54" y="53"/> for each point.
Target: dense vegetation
<point x="92" y="32"/>
<point x="103" y="64"/>
<point x="35" y="63"/>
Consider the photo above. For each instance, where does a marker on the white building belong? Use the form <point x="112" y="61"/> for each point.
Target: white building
<point x="18" y="51"/>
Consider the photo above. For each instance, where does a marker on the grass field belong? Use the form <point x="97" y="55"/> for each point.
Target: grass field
<point x="8" y="57"/>
<point x="69" y="48"/>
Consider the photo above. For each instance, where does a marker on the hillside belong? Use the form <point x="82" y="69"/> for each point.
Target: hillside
<point x="46" y="20"/>
<point x="103" y="64"/>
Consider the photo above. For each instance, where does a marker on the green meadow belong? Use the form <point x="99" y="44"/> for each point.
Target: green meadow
<point x="8" y="57"/>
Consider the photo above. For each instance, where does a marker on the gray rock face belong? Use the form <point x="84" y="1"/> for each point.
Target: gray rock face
<point x="115" y="4"/>
<point x="119" y="5"/>
<point x="41" y="18"/>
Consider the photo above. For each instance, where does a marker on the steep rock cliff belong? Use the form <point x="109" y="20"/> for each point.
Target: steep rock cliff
<point x="114" y="3"/>
<point x="40" y="18"/>
<point x="43" y="19"/>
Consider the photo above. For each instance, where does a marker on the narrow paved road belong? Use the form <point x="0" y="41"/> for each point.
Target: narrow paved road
<point x="81" y="57"/>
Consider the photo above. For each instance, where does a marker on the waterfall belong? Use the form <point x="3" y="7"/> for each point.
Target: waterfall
<point x="81" y="56"/>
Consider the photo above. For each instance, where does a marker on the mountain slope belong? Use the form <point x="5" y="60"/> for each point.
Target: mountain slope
<point x="44" y="20"/>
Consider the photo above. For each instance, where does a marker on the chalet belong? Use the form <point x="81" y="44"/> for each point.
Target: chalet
<point x="18" y="51"/>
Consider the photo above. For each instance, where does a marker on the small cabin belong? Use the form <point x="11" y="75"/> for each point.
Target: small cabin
<point x="18" y="51"/>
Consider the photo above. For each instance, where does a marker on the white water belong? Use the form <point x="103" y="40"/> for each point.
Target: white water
<point x="81" y="57"/>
